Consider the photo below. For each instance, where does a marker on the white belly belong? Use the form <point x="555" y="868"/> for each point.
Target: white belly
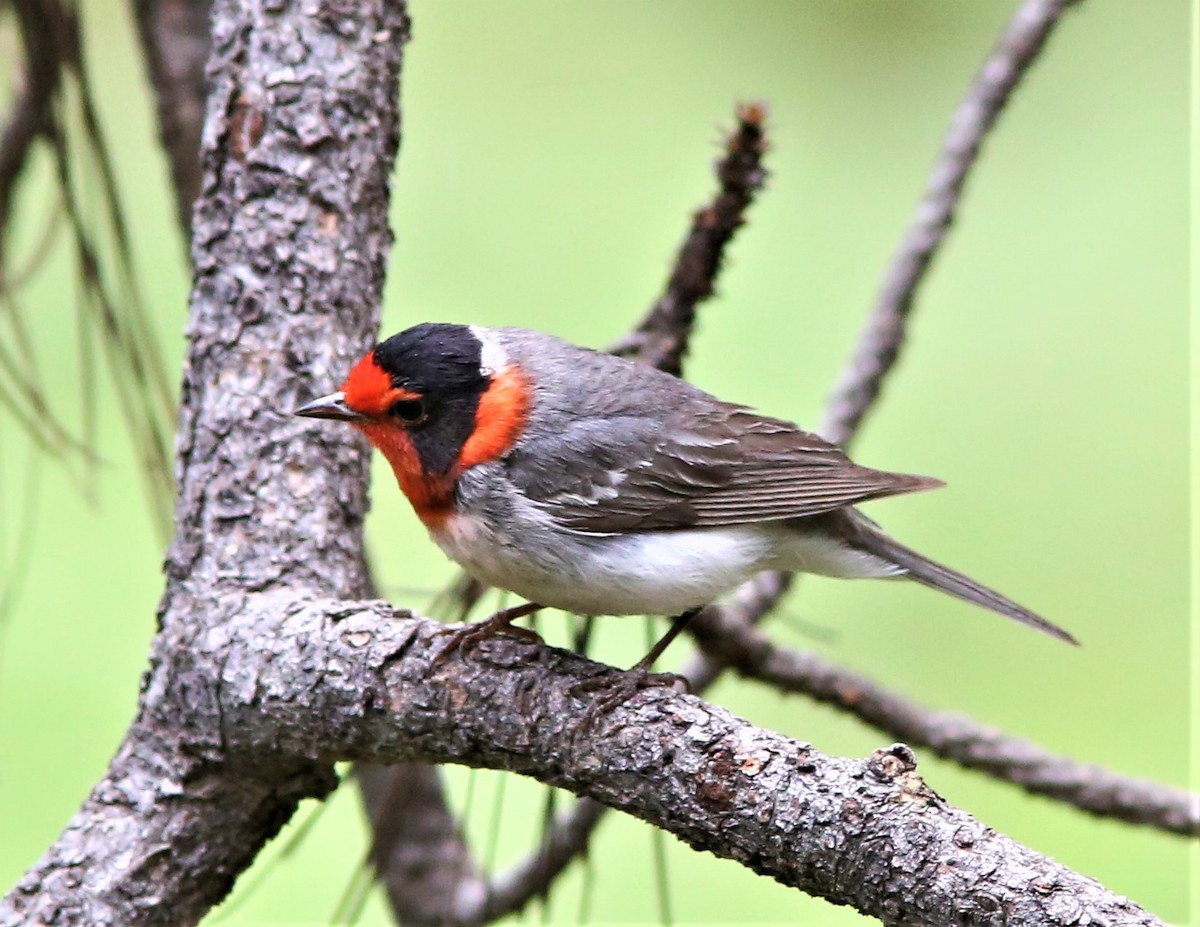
<point x="656" y="573"/>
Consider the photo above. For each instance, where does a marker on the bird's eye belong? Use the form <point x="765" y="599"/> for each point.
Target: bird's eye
<point x="409" y="411"/>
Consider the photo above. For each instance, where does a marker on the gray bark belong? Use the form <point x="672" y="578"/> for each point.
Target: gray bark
<point x="289" y="248"/>
<point x="416" y="848"/>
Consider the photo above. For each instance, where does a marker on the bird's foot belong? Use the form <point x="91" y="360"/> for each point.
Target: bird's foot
<point x="468" y="638"/>
<point x="616" y="687"/>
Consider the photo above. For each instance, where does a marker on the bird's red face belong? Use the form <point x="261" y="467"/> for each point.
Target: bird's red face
<point x="425" y="399"/>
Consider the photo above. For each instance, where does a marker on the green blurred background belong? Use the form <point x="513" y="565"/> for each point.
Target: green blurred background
<point x="552" y="153"/>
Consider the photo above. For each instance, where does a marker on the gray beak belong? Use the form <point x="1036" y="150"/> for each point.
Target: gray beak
<point x="331" y="406"/>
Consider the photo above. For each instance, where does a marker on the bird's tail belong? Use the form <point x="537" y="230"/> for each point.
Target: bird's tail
<point x="862" y="533"/>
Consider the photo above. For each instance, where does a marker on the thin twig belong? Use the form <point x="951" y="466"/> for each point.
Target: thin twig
<point x="28" y="119"/>
<point x="879" y="345"/>
<point x="110" y="313"/>
<point x="661" y="338"/>
<point x="725" y="636"/>
<point x="175" y="42"/>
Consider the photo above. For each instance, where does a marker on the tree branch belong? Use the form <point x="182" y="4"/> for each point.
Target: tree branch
<point x="175" y="42"/>
<point x="290" y="241"/>
<point x="727" y="638"/>
<point x="329" y="680"/>
<point x="417" y="848"/>
<point x="661" y="338"/>
<point x="879" y="345"/>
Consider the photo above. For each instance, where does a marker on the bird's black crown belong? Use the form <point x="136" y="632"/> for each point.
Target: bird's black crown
<point x="433" y="357"/>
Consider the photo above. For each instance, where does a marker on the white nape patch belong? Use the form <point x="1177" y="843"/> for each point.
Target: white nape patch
<point x="492" y="357"/>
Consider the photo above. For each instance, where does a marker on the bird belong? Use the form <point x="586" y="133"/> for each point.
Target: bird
<point x="586" y="482"/>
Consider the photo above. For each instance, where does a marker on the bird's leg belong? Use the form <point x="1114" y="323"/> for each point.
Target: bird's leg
<point x="618" y="686"/>
<point x="466" y="639"/>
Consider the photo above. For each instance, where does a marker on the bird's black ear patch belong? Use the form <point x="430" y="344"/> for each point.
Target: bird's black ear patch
<point x="432" y="357"/>
<point x="440" y="362"/>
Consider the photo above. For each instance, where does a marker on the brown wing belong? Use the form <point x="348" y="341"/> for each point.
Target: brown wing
<point x="707" y="464"/>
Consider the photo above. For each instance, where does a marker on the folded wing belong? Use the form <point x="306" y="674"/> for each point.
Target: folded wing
<point x="703" y="465"/>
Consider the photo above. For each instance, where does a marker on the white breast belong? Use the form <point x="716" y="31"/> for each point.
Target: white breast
<point x="657" y="573"/>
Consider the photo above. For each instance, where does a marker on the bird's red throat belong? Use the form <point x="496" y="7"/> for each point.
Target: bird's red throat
<point x="499" y="419"/>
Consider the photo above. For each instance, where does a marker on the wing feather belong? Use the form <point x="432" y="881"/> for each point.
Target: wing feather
<point x="632" y="449"/>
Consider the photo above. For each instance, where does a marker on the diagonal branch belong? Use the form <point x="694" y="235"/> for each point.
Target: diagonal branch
<point x="418" y="851"/>
<point x="334" y="680"/>
<point x="724" y="635"/>
<point x="879" y="345"/>
<point x="661" y="338"/>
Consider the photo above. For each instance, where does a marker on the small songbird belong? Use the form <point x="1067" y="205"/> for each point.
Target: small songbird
<point x="585" y="482"/>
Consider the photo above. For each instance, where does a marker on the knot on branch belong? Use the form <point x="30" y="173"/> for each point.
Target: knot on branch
<point x="898" y="764"/>
<point x="892" y="762"/>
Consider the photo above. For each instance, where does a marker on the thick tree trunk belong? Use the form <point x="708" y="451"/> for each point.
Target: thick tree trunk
<point x="289" y="246"/>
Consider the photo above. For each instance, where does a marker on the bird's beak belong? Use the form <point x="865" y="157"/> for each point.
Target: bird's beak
<point x="331" y="406"/>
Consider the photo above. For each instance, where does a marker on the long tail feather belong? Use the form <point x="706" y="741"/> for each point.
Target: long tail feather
<point x="863" y="534"/>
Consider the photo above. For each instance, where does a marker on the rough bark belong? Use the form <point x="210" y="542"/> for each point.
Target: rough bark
<point x="320" y="680"/>
<point x="733" y="642"/>
<point x="425" y="871"/>
<point x="289" y="248"/>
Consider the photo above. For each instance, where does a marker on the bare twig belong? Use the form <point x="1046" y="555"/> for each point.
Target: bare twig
<point x="729" y="639"/>
<point x="175" y="42"/>
<point x="564" y="840"/>
<point x="661" y="338"/>
<point x="27" y="120"/>
<point x="417" y="849"/>
<point x="1018" y="47"/>
<point x="110" y="313"/>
